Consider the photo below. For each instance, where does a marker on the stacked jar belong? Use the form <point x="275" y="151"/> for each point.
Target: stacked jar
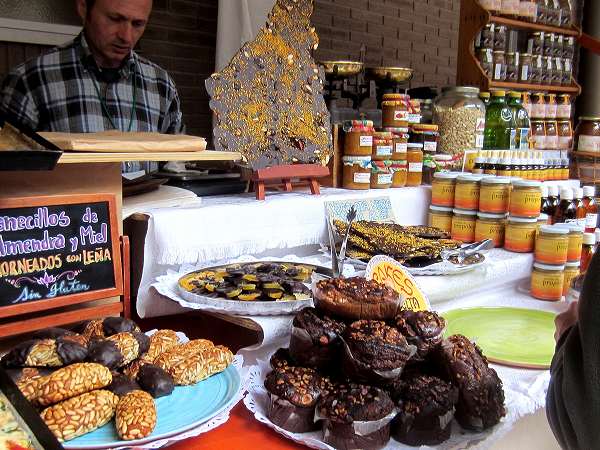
<point x="399" y="164"/>
<point x="524" y="210"/>
<point x="358" y="147"/>
<point x="551" y="256"/>
<point x="427" y="136"/>
<point x="466" y="206"/>
<point x="383" y="148"/>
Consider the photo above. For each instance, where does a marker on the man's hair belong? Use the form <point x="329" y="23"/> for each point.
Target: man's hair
<point x="90" y="4"/>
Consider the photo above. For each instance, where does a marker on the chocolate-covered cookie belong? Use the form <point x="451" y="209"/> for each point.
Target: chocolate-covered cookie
<point x="294" y="392"/>
<point x="423" y="329"/>
<point x="315" y="340"/>
<point x="122" y="385"/>
<point x="45" y="353"/>
<point x="356" y="417"/>
<point x="155" y="380"/>
<point x="105" y="352"/>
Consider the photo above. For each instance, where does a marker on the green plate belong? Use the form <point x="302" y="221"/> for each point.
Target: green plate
<point x="511" y="336"/>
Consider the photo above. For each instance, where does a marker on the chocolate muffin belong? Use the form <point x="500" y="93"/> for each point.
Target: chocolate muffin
<point x="481" y="397"/>
<point x="315" y="340"/>
<point x="423" y="329"/>
<point x="426" y="408"/>
<point x="356" y="417"/>
<point x="357" y="298"/>
<point x="294" y="392"/>
<point x="374" y="352"/>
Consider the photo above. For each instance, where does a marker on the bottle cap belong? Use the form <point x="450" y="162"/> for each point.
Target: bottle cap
<point x="479" y="159"/>
<point x="566" y="194"/>
<point x="553" y="229"/>
<point x="589" y="191"/>
<point x="544" y="191"/>
<point x="578" y="193"/>
<point x="553" y="191"/>
<point x="589" y="238"/>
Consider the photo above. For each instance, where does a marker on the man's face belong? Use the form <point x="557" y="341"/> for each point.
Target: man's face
<point x="113" y="28"/>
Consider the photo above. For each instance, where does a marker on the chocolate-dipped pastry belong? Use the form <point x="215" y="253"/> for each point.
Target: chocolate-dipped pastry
<point x="122" y="385"/>
<point x="357" y="298"/>
<point x="315" y="340"/>
<point x="155" y="380"/>
<point x="374" y="352"/>
<point x="356" y="417"/>
<point x="281" y="358"/>
<point x="129" y="345"/>
<point x="426" y="408"/>
<point x="481" y="396"/>
<point x="100" y="328"/>
<point x="423" y="329"/>
<point x="62" y="333"/>
<point x="105" y="352"/>
<point x="57" y="352"/>
<point x="294" y="392"/>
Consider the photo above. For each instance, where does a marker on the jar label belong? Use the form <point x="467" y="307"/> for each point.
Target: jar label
<point x="551" y="111"/>
<point x="442" y="194"/>
<point x="383" y="150"/>
<point x="551" y="250"/>
<point x="497" y="71"/>
<point x="384" y="178"/>
<point x="589" y="143"/>
<point x="366" y="141"/>
<point x="551" y="142"/>
<point x="401" y="115"/>
<point x="520" y="239"/>
<point x="570" y="275"/>
<point x="575" y="244"/>
<point x="538" y="111"/>
<point x="362" y="178"/>
<point x="513" y="139"/>
<point x="525" y="203"/>
<point x="493" y="231"/>
<point x="463" y="229"/>
<point x="467" y="196"/>
<point x="401" y="147"/>
<point x="414" y="118"/>
<point x="563" y="111"/>
<point x="479" y="141"/>
<point x="539" y="142"/>
<point x="494" y="199"/>
<point x="591" y="220"/>
<point x="415" y="167"/>
<point x="429" y="146"/>
<point x="547" y="286"/>
<point x="524" y="138"/>
<point x="441" y="221"/>
<point x="524" y="73"/>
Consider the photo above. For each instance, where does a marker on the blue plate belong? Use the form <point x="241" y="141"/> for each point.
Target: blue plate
<point x="186" y="408"/>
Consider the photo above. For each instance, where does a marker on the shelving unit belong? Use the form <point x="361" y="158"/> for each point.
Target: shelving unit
<point x="473" y="17"/>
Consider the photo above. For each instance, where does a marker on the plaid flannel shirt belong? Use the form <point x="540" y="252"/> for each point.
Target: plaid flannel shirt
<point x="58" y="91"/>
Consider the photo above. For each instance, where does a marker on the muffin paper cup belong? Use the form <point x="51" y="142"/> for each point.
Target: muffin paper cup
<point x="306" y="353"/>
<point x="291" y="417"/>
<point x="371" y="434"/>
<point x="359" y="371"/>
<point x="423" y="429"/>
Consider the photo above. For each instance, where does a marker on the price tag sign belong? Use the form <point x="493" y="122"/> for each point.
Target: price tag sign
<point x="390" y="272"/>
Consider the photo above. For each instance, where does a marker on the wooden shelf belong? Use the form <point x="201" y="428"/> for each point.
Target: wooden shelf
<point x="533" y="87"/>
<point x="522" y="25"/>
<point x="88" y="157"/>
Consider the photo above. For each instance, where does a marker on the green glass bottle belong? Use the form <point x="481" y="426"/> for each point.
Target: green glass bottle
<point x="498" y="123"/>
<point x="521" y="118"/>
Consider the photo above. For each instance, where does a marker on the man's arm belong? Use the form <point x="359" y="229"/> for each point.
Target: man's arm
<point x="16" y="100"/>
<point x="573" y="400"/>
<point x="173" y="121"/>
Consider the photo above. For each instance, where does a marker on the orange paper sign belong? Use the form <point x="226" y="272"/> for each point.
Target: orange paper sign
<point x="388" y="271"/>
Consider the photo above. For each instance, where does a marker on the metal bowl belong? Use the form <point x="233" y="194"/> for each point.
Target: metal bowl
<point x="342" y="68"/>
<point x="395" y="74"/>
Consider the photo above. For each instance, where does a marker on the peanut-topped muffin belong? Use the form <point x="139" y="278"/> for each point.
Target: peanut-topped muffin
<point x="351" y="403"/>
<point x="426" y="405"/>
<point x="315" y="340"/>
<point x="294" y="392"/>
<point x="423" y="329"/>
<point x="357" y="298"/>
<point x="481" y="397"/>
<point x="374" y="351"/>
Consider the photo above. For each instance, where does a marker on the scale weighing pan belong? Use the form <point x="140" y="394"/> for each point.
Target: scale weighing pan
<point x="45" y="158"/>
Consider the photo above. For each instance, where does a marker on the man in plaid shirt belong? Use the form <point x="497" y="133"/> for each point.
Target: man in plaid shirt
<point x="96" y="82"/>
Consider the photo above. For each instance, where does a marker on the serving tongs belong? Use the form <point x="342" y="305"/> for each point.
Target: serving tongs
<point x="468" y="250"/>
<point x="337" y="261"/>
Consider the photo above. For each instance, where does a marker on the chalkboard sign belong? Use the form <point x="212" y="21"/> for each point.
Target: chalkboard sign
<point x="57" y="251"/>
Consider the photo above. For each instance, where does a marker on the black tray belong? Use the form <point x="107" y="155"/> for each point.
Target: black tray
<point x="37" y="429"/>
<point x="29" y="159"/>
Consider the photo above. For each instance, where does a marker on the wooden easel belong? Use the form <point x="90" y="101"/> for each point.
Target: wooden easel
<point x="287" y="176"/>
<point x="35" y="315"/>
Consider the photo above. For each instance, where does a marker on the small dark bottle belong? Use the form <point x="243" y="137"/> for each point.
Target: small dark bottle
<point x="554" y="201"/>
<point x="580" y="205"/>
<point x="587" y="251"/>
<point x="546" y="205"/>
<point x="591" y="209"/>
<point x="566" y="212"/>
<point x="479" y="167"/>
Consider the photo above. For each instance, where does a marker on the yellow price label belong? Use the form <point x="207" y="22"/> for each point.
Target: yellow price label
<point x="390" y="272"/>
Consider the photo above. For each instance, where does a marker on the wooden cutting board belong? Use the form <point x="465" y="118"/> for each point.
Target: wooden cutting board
<point x="120" y="142"/>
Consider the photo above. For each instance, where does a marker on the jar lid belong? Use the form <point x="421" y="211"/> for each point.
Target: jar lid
<point x="464" y="212"/>
<point x="527" y="183"/>
<point x="551" y="229"/>
<point x="484" y="94"/>
<point x="572" y="227"/>
<point x="573" y="264"/>
<point x="516" y="219"/>
<point x="395" y="96"/>
<point x="415" y="145"/>
<point x="356" y="159"/>
<point x="543" y="217"/>
<point x="589" y="238"/>
<point x="383" y="135"/>
<point x="425" y="127"/>
<point x="549" y="267"/>
<point x="461" y="89"/>
<point x="401" y="130"/>
<point x="473" y="178"/>
<point x="440" y="209"/>
<point x="496" y="180"/>
<point x="446" y="175"/>
<point x="498" y="93"/>
<point x="491" y="216"/>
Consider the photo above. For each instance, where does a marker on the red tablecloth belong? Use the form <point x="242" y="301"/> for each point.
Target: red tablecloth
<point x="242" y="431"/>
